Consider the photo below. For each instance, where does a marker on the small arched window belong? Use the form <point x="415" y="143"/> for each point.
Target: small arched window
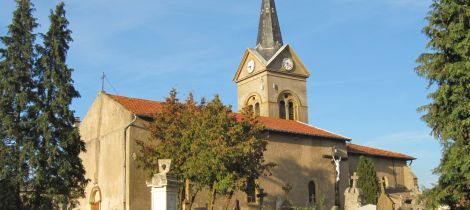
<point x="253" y="105"/>
<point x="311" y="193"/>
<point x="282" y="110"/>
<point x="288" y="105"/>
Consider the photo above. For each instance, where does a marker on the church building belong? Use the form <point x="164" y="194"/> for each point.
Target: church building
<point x="314" y="165"/>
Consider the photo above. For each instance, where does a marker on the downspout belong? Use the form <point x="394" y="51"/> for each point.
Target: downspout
<point x="124" y="185"/>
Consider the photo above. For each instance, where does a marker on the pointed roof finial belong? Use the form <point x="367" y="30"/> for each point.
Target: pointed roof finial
<point x="269" y="32"/>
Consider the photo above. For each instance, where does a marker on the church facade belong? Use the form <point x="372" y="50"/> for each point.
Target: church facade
<point x="314" y="165"/>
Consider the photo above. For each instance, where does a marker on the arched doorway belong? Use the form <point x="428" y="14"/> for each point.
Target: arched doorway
<point x="95" y="198"/>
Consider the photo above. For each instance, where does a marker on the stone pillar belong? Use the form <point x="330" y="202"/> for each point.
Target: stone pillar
<point x="164" y="188"/>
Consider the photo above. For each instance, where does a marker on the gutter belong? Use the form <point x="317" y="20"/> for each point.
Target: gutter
<point x="124" y="185"/>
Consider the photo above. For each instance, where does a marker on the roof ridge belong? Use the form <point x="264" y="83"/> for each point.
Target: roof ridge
<point x="143" y="99"/>
<point x="383" y="150"/>
<point x="324" y="130"/>
<point x="376" y="148"/>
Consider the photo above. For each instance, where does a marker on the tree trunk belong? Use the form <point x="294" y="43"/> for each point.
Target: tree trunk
<point x="212" y="194"/>
<point x="228" y="200"/>
<point x="193" y="197"/>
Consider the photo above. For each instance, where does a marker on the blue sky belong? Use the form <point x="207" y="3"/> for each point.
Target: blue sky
<point x="360" y="53"/>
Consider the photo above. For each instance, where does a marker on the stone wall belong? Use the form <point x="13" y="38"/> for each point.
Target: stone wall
<point x="392" y="169"/>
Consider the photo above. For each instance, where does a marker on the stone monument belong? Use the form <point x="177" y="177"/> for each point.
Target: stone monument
<point x="164" y="188"/>
<point x="384" y="202"/>
<point x="285" y="203"/>
<point x="352" y="195"/>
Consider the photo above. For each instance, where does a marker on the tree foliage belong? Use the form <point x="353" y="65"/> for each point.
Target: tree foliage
<point x="17" y="111"/>
<point x="39" y="163"/>
<point x="60" y="172"/>
<point x="210" y="146"/>
<point x="447" y="68"/>
<point x="368" y="181"/>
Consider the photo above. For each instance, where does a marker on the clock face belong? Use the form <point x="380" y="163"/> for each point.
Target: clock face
<point x="250" y="67"/>
<point x="287" y="64"/>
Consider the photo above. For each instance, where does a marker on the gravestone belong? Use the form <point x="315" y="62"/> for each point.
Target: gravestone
<point x="164" y="188"/>
<point x="368" y="207"/>
<point x="352" y="195"/>
<point x="384" y="202"/>
<point x="261" y="195"/>
<point x="286" y="204"/>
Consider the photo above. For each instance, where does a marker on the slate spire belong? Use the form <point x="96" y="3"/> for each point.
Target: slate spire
<point x="269" y="32"/>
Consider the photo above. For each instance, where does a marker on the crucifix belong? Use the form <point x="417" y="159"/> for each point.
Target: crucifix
<point x="336" y="159"/>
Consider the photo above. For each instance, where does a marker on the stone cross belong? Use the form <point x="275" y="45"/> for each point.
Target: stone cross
<point x="354" y="178"/>
<point x="261" y="194"/>
<point x="382" y="185"/>
<point x="287" y="188"/>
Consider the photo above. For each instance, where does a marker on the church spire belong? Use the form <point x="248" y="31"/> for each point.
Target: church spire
<point x="269" y="32"/>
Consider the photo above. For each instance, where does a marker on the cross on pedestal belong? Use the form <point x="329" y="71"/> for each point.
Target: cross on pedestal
<point x="354" y="178"/>
<point x="382" y="185"/>
<point x="261" y="194"/>
<point x="287" y="188"/>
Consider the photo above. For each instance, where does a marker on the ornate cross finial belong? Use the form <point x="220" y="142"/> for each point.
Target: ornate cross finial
<point x="355" y="177"/>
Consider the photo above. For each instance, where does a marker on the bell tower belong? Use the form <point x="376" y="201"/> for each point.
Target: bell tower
<point x="271" y="80"/>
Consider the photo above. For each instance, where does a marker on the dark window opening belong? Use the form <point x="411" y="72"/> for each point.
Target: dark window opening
<point x="311" y="193"/>
<point x="251" y="191"/>
<point x="257" y="109"/>
<point x="250" y="108"/>
<point x="291" y="110"/>
<point x="282" y="110"/>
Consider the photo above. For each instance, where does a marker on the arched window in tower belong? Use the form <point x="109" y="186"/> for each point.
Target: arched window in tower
<point x="291" y="110"/>
<point x="253" y="105"/>
<point x="288" y="105"/>
<point x="311" y="193"/>
<point x="282" y="110"/>
<point x="250" y="108"/>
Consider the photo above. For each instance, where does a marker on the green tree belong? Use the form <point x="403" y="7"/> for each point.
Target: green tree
<point x="368" y="181"/>
<point x="447" y="68"/>
<point x="17" y="111"/>
<point x="230" y="151"/>
<point x="211" y="147"/>
<point x="59" y="172"/>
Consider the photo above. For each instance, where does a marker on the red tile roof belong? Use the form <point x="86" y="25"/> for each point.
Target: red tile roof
<point x="363" y="150"/>
<point x="138" y="106"/>
<point x="296" y="127"/>
<point x="148" y="108"/>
